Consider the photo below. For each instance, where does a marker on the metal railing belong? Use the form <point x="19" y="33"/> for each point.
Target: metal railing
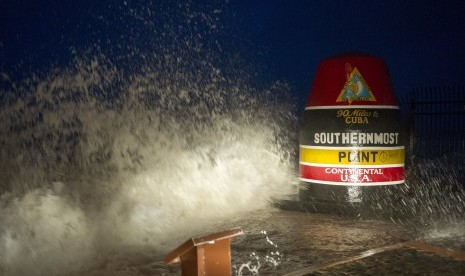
<point x="435" y="125"/>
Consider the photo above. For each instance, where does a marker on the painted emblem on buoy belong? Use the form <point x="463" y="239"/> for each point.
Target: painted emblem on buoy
<point x="355" y="89"/>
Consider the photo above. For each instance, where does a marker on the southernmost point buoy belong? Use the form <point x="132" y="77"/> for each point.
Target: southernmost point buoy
<point x="351" y="151"/>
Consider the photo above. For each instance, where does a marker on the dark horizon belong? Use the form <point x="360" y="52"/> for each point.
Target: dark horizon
<point x="421" y="42"/>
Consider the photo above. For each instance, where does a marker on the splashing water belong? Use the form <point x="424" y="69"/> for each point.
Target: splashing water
<point x="436" y="193"/>
<point x="98" y="157"/>
<point x="272" y="258"/>
<point x="136" y="151"/>
<point x="86" y="175"/>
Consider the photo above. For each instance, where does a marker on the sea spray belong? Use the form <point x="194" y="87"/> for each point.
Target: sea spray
<point x="87" y="173"/>
<point x="268" y="258"/>
<point x="139" y="140"/>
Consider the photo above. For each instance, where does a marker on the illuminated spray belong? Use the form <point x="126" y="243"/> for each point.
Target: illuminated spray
<point x="135" y="153"/>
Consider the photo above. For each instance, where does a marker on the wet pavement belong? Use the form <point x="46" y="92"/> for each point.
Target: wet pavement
<point x="398" y="262"/>
<point x="409" y="258"/>
<point x="324" y="244"/>
<point x="278" y="242"/>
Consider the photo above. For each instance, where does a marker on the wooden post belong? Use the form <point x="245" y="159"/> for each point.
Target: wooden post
<point x="208" y="255"/>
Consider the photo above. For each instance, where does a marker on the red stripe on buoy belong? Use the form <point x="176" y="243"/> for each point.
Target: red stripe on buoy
<point x="352" y="175"/>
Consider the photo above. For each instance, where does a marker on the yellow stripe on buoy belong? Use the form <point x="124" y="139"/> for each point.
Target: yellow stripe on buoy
<point x="352" y="156"/>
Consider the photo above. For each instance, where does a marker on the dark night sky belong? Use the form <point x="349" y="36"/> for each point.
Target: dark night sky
<point x="423" y="42"/>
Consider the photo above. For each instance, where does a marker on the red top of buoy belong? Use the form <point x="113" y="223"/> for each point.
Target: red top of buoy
<point x="352" y="80"/>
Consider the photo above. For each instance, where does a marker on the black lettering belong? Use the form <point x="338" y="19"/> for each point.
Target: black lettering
<point x="342" y="155"/>
<point x="374" y="153"/>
